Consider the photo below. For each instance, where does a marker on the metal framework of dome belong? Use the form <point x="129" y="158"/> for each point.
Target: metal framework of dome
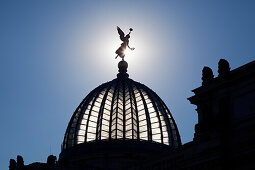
<point x="122" y="109"/>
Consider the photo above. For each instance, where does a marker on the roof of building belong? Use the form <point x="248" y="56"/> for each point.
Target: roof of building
<point x="122" y="109"/>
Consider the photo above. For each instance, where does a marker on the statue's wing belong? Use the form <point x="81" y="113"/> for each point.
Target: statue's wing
<point x="121" y="33"/>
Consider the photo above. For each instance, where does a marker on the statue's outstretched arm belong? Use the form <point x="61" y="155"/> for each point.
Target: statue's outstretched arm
<point x="130" y="47"/>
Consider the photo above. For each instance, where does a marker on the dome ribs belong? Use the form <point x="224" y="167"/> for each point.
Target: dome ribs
<point x="132" y="97"/>
<point x="90" y="111"/>
<point x="131" y="110"/>
<point x="82" y="106"/>
<point x="152" y="100"/>
<point x="175" y="133"/>
<point x="115" y="114"/>
<point x="101" y="111"/>
<point x="162" y="109"/>
<point x="173" y="136"/>
<point x="112" y="103"/>
<point x="122" y="109"/>
<point x="146" y="113"/>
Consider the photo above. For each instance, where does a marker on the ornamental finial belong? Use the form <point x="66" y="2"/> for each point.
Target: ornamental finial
<point x="223" y="67"/>
<point x="121" y="50"/>
<point x="123" y="65"/>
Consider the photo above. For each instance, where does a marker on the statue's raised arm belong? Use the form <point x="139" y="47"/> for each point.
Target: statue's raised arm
<point x="121" y="50"/>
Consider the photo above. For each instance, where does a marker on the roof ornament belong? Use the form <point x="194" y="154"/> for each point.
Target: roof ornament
<point x="223" y="67"/>
<point x="207" y="75"/>
<point x="121" y="50"/>
<point x="123" y="65"/>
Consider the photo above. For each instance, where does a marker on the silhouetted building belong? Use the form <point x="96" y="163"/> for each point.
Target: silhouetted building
<point x="123" y="124"/>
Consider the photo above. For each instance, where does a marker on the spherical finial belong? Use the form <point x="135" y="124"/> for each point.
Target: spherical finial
<point x="123" y="65"/>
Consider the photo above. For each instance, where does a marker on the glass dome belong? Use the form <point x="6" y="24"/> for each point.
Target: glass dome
<point x="122" y="109"/>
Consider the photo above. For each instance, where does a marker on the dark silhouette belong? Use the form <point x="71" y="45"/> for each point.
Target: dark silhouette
<point x="51" y="161"/>
<point x="20" y="162"/>
<point x="51" y="164"/>
<point x="121" y="50"/>
<point x="134" y="129"/>
<point x="12" y="165"/>
<point x="207" y="75"/>
<point x="223" y="67"/>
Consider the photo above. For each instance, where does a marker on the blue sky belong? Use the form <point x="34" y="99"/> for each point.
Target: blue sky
<point x="53" y="53"/>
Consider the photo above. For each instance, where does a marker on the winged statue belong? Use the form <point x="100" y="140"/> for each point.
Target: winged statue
<point x="121" y="50"/>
